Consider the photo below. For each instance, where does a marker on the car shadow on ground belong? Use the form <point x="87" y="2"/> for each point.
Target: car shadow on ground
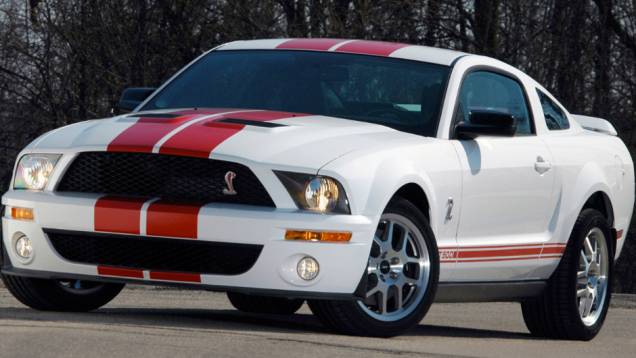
<point x="228" y="320"/>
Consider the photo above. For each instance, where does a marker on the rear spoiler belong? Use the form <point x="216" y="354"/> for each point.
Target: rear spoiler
<point x="595" y="124"/>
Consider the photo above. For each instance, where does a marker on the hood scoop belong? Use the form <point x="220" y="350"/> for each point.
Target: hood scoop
<point x="249" y="122"/>
<point x="154" y="115"/>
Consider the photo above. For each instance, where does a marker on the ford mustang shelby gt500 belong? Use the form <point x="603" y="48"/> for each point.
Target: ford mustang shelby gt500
<point x="367" y="178"/>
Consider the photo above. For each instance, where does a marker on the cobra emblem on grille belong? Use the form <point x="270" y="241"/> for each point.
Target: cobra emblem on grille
<point x="229" y="182"/>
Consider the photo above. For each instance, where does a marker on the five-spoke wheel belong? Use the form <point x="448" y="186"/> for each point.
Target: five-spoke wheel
<point x="398" y="269"/>
<point x="400" y="279"/>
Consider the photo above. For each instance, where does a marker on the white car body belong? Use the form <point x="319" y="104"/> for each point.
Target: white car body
<point x="501" y="208"/>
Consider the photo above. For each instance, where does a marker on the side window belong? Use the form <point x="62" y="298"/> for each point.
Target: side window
<point x="554" y="116"/>
<point x="483" y="90"/>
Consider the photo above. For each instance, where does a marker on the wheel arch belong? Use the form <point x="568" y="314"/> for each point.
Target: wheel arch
<point x="414" y="193"/>
<point x="600" y="201"/>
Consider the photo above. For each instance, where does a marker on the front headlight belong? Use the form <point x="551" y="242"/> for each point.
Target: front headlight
<point x="315" y="193"/>
<point x="34" y="170"/>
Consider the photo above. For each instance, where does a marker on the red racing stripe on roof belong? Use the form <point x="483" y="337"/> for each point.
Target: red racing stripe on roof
<point x="309" y="44"/>
<point x="118" y="214"/>
<point x="377" y="48"/>
<point x="142" y="136"/>
<point x="168" y="219"/>
<point x="200" y="139"/>
<point x="175" y="276"/>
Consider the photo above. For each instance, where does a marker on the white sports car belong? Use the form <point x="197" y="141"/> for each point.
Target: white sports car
<point x="368" y="178"/>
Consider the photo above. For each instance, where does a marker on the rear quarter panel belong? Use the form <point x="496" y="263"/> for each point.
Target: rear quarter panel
<point x="587" y="162"/>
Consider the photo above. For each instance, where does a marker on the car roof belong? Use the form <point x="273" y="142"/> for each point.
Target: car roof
<point x="365" y="47"/>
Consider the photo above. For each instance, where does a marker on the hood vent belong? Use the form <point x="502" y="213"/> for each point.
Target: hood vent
<point x="248" y="122"/>
<point x="154" y="115"/>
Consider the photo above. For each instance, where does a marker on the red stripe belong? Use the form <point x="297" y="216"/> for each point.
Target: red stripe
<point x="116" y="214"/>
<point x="147" y="131"/>
<point x="120" y="272"/>
<point x="371" y="47"/>
<point x="309" y="44"/>
<point x="619" y="234"/>
<point x="175" y="276"/>
<point x="502" y="259"/>
<point x="172" y="219"/>
<point x="550" y="256"/>
<point x="498" y="253"/>
<point x="496" y="246"/>
<point x="200" y="139"/>
<point x="553" y="250"/>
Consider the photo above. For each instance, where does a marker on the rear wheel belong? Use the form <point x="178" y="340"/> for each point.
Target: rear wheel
<point x="402" y="274"/>
<point x="61" y="295"/>
<point x="264" y="304"/>
<point x="575" y="303"/>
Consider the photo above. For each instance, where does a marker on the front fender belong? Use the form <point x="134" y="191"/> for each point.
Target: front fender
<point x="372" y="178"/>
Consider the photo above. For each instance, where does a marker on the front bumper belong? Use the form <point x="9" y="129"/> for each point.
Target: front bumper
<point x="342" y="265"/>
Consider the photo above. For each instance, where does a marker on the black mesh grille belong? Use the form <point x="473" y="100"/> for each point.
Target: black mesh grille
<point x="164" y="176"/>
<point x="152" y="253"/>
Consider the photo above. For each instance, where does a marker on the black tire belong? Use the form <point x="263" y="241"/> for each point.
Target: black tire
<point x="54" y="295"/>
<point x="348" y="317"/>
<point x="264" y="304"/>
<point x="555" y="314"/>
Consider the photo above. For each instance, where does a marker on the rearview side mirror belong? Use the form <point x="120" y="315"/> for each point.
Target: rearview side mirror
<point x="133" y="97"/>
<point x="489" y="123"/>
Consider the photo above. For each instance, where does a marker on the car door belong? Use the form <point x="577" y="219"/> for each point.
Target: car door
<point x="507" y="185"/>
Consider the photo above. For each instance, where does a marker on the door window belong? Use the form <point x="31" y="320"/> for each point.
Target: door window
<point x="489" y="91"/>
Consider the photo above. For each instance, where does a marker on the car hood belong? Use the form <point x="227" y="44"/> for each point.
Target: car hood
<point x="279" y="138"/>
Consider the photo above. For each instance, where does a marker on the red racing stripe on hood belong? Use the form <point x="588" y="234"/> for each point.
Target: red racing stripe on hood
<point x="147" y="131"/>
<point x="118" y="214"/>
<point x="168" y="219"/>
<point x="377" y="48"/>
<point x="201" y="138"/>
<point x="309" y="44"/>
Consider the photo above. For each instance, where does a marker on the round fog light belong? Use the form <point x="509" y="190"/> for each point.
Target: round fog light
<point x="307" y="268"/>
<point x="23" y="247"/>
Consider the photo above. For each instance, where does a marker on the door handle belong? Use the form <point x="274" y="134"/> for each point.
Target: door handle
<point x="541" y="166"/>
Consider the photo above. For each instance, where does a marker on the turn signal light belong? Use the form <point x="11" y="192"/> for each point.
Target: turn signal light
<point x="322" y="236"/>
<point x="22" y="213"/>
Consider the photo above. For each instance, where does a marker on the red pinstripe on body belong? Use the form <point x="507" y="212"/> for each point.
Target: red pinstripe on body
<point x="309" y="44"/>
<point x="118" y="214"/>
<point x="500" y="252"/>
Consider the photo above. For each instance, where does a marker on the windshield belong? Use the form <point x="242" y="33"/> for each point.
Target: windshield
<point x="401" y="94"/>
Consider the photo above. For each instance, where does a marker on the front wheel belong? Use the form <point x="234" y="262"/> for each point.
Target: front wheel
<point x="576" y="300"/>
<point x="61" y="295"/>
<point x="402" y="275"/>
